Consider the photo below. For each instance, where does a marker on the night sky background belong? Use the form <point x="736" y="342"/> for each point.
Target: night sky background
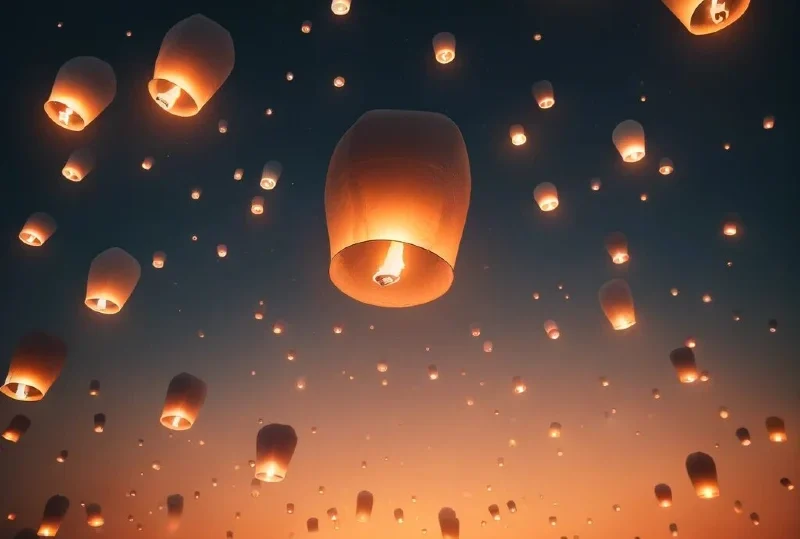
<point x="418" y="437"/>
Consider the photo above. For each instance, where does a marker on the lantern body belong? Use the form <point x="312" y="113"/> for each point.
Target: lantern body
<point x="340" y="7"/>
<point x="37" y="229"/>
<point x="444" y="47"/>
<point x="94" y="388"/>
<point x="755" y="519"/>
<point x="222" y="250"/>
<point x="290" y="508"/>
<point x="769" y="122"/>
<point x="396" y="200"/>
<point x="685" y="365"/>
<point x="595" y="184"/>
<point x="744" y="436"/>
<point x="147" y="163"/>
<point x="737" y="506"/>
<point x="665" y="167"/>
<point x="555" y="430"/>
<point x="333" y="514"/>
<point x="399" y="516"/>
<point x="364" y="502"/>
<point x="551" y="328"/>
<point x="306" y="27"/>
<point x="663" y="495"/>
<point x="730" y="227"/>
<point x="113" y="275"/>
<point x="703" y="17"/>
<point x="723" y="412"/>
<point x="62" y="456"/>
<point x="99" y="423"/>
<point x="673" y="529"/>
<point x="628" y="137"/>
<point x="35" y="365"/>
<point x="449" y="524"/>
<point x="312" y="525"/>
<point x="159" y="259"/>
<point x="433" y="372"/>
<point x="83" y="88"/>
<point x="338" y="82"/>
<point x="518" y="385"/>
<point x="270" y="175"/>
<point x="257" y="205"/>
<point x="616" y="300"/>
<point x="773" y="325"/>
<point x="703" y="474"/>
<point x="512" y="506"/>
<point x="617" y="247"/>
<point x="223" y="126"/>
<point x="18" y="426"/>
<point x="94" y="516"/>
<point x="54" y="511"/>
<point x="275" y="445"/>
<point x="553" y="521"/>
<point x="174" y="511"/>
<point x="79" y="164"/>
<point x="776" y="429"/>
<point x="546" y="196"/>
<point x="186" y="395"/>
<point x="488" y="346"/>
<point x="195" y="59"/>
<point x="494" y="511"/>
<point x="238" y="174"/>
<point x="517" y="134"/>
<point x="543" y="93"/>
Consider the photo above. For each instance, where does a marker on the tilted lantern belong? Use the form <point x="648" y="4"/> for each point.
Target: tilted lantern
<point x="449" y="523"/>
<point x="340" y="7"/>
<point x="54" y="512"/>
<point x="270" y="175"/>
<point x="787" y="483"/>
<point x="83" y="88"/>
<point x="551" y="328"/>
<point x="755" y="519"/>
<point x="616" y="300"/>
<point x="37" y="229"/>
<point x="685" y="365"/>
<point x="444" y="47"/>
<point x="546" y="196"/>
<point x="776" y="429"/>
<point x="364" y="502"/>
<point x="186" y="395"/>
<point x="703" y="17"/>
<point x="94" y="515"/>
<point x="663" y="495"/>
<point x="148" y="163"/>
<point x="275" y="445"/>
<point x="617" y="247"/>
<point x="18" y="426"/>
<point x="543" y="93"/>
<point x="628" y="137"/>
<point x="113" y="275"/>
<point x="79" y="164"/>
<point x="35" y="365"/>
<point x="703" y="474"/>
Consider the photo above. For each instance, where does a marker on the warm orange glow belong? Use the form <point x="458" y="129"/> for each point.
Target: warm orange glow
<point x="488" y="346"/>
<point x="656" y="394"/>
<point x="707" y="298"/>
<point x="278" y="327"/>
<point x="444" y="47"/>
<point x="703" y="474"/>
<point x="37" y="229"/>
<point x="776" y="429"/>
<point x="94" y="516"/>
<point x="36" y="364"/>
<point x="391" y="268"/>
<point x="257" y="205"/>
<point x="364" y="502"/>
<point x="703" y="17"/>
<point x="595" y="184"/>
<point x="546" y="196"/>
<point x="338" y="82"/>
<point x="18" y="426"/>
<point x="275" y="446"/>
<point x="159" y="259"/>
<point x="196" y="193"/>
<point x="270" y="175"/>
<point x="628" y="137"/>
<point x="517" y="134"/>
<point x="433" y="372"/>
<point x="537" y="37"/>
<point x="83" y="88"/>
<point x="113" y="275"/>
<point x="518" y="385"/>
<point x="494" y="510"/>
<point x="148" y="162"/>
<point x="643" y="197"/>
<point x="685" y="365"/>
<point x="223" y="126"/>
<point x="79" y="164"/>
<point x="289" y="76"/>
<point x="769" y="122"/>
<point x="744" y="436"/>
<point x="663" y="495"/>
<point x="268" y="112"/>
<point x="665" y="167"/>
<point x="340" y="7"/>
<point x="544" y="95"/>
<point x="726" y="146"/>
<point x="616" y="300"/>
<point x="99" y="423"/>
<point x="555" y="430"/>
<point x="238" y="174"/>
<point x="551" y="328"/>
<point x="690" y="342"/>
<point x="755" y="519"/>
<point x="723" y="412"/>
<point x="186" y="395"/>
<point x="617" y="247"/>
<point x="306" y="27"/>
<point x="729" y="228"/>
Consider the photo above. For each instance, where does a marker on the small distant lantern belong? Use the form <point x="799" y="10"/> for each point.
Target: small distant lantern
<point x="663" y="495"/>
<point x="726" y="146"/>
<point x="543" y="93"/>
<point x="551" y="328"/>
<point x="744" y="436"/>
<point x="275" y="446"/>
<point x="94" y="388"/>
<point x="37" y="229"/>
<point x="776" y="429"/>
<point x="595" y="184"/>
<point x="186" y="395"/>
<point x="517" y="134"/>
<point x="685" y="365"/>
<point x="444" y="47"/>
<point x="494" y="510"/>
<point x="617" y="247"/>
<point x="755" y="519"/>
<point x="518" y="385"/>
<point x="270" y="175"/>
<point x="54" y="512"/>
<point x="433" y="372"/>
<point x="306" y="27"/>
<point x="536" y="295"/>
<point x="769" y="122"/>
<point x="488" y="346"/>
<point x="79" y="164"/>
<point x="279" y="327"/>
<point x="364" y="502"/>
<point x="616" y="508"/>
<point x="643" y="197"/>
<point x="555" y="430"/>
<point x="398" y="516"/>
<point x="94" y="516"/>
<point x="338" y="329"/>
<point x="382" y="366"/>
<point x="705" y="376"/>
<point x="83" y="88"/>
<point x="340" y="7"/>
<point x="238" y="174"/>
<point x="255" y="488"/>
<point x="512" y="506"/>
<point x="289" y="508"/>
<point x="148" y="163"/>
<point x="665" y="167"/>
<point x="289" y="76"/>
<point x="701" y="17"/>
<point x="628" y="137"/>
<point x="773" y="325"/>
<point x="737" y="507"/>
<point x="62" y="456"/>
<point x="703" y="474"/>
<point x="196" y="193"/>
<point x="690" y="342"/>
<point x="724" y="413"/>
<point x="707" y="298"/>
<point x="787" y="483"/>
<point x="312" y="525"/>
<point x="36" y="364"/>
<point x="18" y="426"/>
<point x="673" y="529"/>
<point x="656" y="394"/>
<point x="99" y="423"/>
<point x="113" y="274"/>
<point x="537" y="37"/>
<point x="338" y="82"/>
<point x="553" y="521"/>
<point x="222" y="250"/>
<point x="475" y="330"/>
<point x="674" y="292"/>
<point x="223" y="126"/>
<point x="159" y="259"/>
<point x="300" y="383"/>
<point x="546" y="196"/>
<point x="257" y="205"/>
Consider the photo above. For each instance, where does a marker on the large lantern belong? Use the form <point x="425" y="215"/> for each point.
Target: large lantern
<point x="270" y="175"/>
<point x="617" y="247"/>
<point x="83" y="88"/>
<point x="79" y="164"/>
<point x="703" y="474"/>
<point x="113" y="275"/>
<point x="396" y="200"/>
<point x="616" y="300"/>
<point x="776" y="429"/>
<point x="18" y="426"/>
<point x="195" y="59"/>
<point x="37" y="229"/>
<point x="685" y="365"/>
<point x="275" y="445"/>
<point x="364" y="502"/>
<point x="543" y="93"/>
<point x="186" y="395"/>
<point x="444" y="47"/>
<point x="35" y="365"/>
<point x="663" y="495"/>
<point x="702" y="17"/>
<point x="94" y="515"/>
<point x="54" y="512"/>
<point x="449" y="523"/>
<point x="628" y="137"/>
<point x="546" y="196"/>
<point x="340" y="7"/>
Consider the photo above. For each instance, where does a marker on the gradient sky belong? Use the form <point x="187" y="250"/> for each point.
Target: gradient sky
<point x="418" y="437"/>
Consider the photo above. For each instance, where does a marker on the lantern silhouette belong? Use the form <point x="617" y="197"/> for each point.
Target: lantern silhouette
<point x="512" y="506"/>
<point x="222" y="250"/>
<point x="94" y="516"/>
<point x="703" y="17"/>
<point x="744" y="436"/>
<point x="769" y="122"/>
<point x="543" y="93"/>
<point x="186" y="395"/>
<point x="54" y="512"/>
<point x="159" y="259"/>
<point x="628" y="137"/>
<point x="551" y="328"/>
<point x="83" y="88"/>
<point x="773" y="325"/>
<point x="79" y="164"/>
<point x="398" y="516"/>
<point x="275" y="445"/>
<point x="617" y="247"/>
<point x="703" y="475"/>
<point x="444" y="47"/>
<point x="148" y="163"/>
<point x="787" y="483"/>
<point x="517" y="134"/>
<point x="113" y="275"/>
<point x="449" y="523"/>
<point x="333" y="514"/>
<point x="306" y="27"/>
<point x="433" y="372"/>
<point x="62" y="456"/>
<point x="396" y="200"/>
<point x="94" y="388"/>
<point x="35" y="365"/>
<point x="546" y="196"/>
<point x="656" y="394"/>
<point x="755" y="519"/>
<point x="290" y="508"/>
<point x="99" y="423"/>
<point x="238" y="174"/>
<point x="174" y="511"/>
<point x="37" y="229"/>
<point x="616" y="300"/>
<point x="364" y="502"/>
<point x="270" y="175"/>
<point x="257" y="205"/>
<point x="683" y="361"/>
<point x="555" y="430"/>
<point x="223" y="126"/>
<point x="776" y="429"/>
<point x="340" y="7"/>
<point x="663" y="495"/>
<point x="312" y="525"/>
<point x="737" y="507"/>
<point x="665" y="167"/>
<point x="338" y="82"/>
<point x="195" y="59"/>
<point x="255" y="488"/>
<point x="595" y="184"/>
<point x="494" y="511"/>
<point x="518" y="385"/>
<point x="18" y="426"/>
<point x="673" y="529"/>
<point x="553" y="521"/>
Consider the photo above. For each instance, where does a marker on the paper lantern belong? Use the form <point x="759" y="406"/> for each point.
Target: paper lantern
<point x="54" y="512"/>
<point x="196" y="193"/>
<point x="186" y="395"/>
<point x="333" y="514"/>
<point x="238" y="174"/>
<point x="306" y="27"/>
<point x="312" y="525"/>
<point x="703" y="475"/>
<point x="755" y="519"/>
<point x="289" y="76"/>
<point x="663" y="495"/>
<point x="595" y="184"/>
<point x="159" y="259"/>
<point x="737" y="507"/>
<point x="94" y="388"/>
<point x="665" y="167"/>
<point x="18" y="426"/>
<point x="512" y="506"/>
<point x="35" y="365"/>
<point x="113" y="275"/>
<point x="553" y="521"/>
<point x="79" y="164"/>
<point x="222" y="126"/>
<point x="396" y="200"/>
<point x="340" y="7"/>
<point x="703" y="17"/>
<point x="769" y="122"/>
<point x="195" y="59"/>
<point x="99" y="423"/>
<point x="546" y="196"/>
<point x="174" y="511"/>
<point x="617" y="247"/>
<point x="723" y="412"/>
<point x="270" y="175"/>
<point x="673" y="529"/>
<point x="148" y="163"/>
<point x="543" y="93"/>
<point x="488" y="346"/>
<point x="338" y="82"/>
<point x="494" y="511"/>
<point x="399" y="516"/>
<point x="37" y="229"/>
<point x="444" y="47"/>
<point x="278" y="327"/>
<point x="551" y="328"/>
<point x="517" y="134"/>
<point x="616" y="300"/>
<point x="555" y="430"/>
<point x="743" y="435"/>
<point x="628" y="137"/>
<point x="289" y="508"/>
<point x="364" y="502"/>
<point x="685" y="365"/>
<point x="94" y="516"/>
<point x="275" y="445"/>
<point x="449" y="524"/>
<point x="776" y="429"/>
<point x="773" y="325"/>
<point x="62" y="456"/>
<point x="257" y="205"/>
<point x="730" y="226"/>
<point x="83" y="88"/>
<point x="518" y="385"/>
<point x="222" y="250"/>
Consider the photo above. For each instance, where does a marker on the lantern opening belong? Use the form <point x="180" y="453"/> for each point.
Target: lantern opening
<point x="546" y="102"/>
<point x="176" y="421"/>
<point x="30" y="238"/>
<point x="713" y="15"/>
<point x="445" y="56"/>
<point x="22" y="391"/>
<point x="64" y="115"/>
<point x="102" y="305"/>
<point x="172" y="97"/>
<point x="392" y="267"/>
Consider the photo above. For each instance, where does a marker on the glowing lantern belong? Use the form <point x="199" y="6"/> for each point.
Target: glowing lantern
<point x="551" y="328"/>
<point x="35" y="365"/>
<point x="488" y="346"/>
<point x="444" y="47"/>
<point x="83" y="88"/>
<point x="99" y="423"/>
<point x="223" y="126"/>
<point x="665" y="167"/>
<point x="382" y="367"/>
<point x="79" y="164"/>
<point x="546" y="196"/>
<point x="113" y="275"/>
<point x="338" y="329"/>
<point x="707" y="298"/>
<point x="512" y="506"/>
<point x="773" y="325"/>
<point x="673" y="529"/>
<point x="616" y="300"/>
<point x="148" y="163"/>
<point x="275" y="445"/>
<point x="536" y="295"/>
<point x="553" y="521"/>
<point x="195" y="59"/>
<point x="94" y="388"/>
<point x="278" y="327"/>
<point x="186" y="395"/>
<point x="255" y="488"/>
<point x="175" y="510"/>
<point x="617" y="247"/>
<point x="290" y="508"/>
<point x="683" y="361"/>
<point x="643" y="197"/>
<point x="391" y="176"/>
<point x="723" y="412"/>
<point x="703" y="474"/>
<point x="604" y="381"/>
<point x="737" y="507"/>
<point x="159" y="259"/>
<point x="543" y="93"/>
<point x="769" y="122"/>
<point x="475" y="330"/>
<point x="340" y="7"/>
<point x="705" y="376"/>
<point x="238" y="174"/>
<point x="18" y="426"/>
<point x="54" y="512"/>
<point x="595" y="184"/>
<point x="656" y="394"/>
<point x="628" y="137"/>
<point x="449" y="523"/>
<point x="755" y="519"/>
<point x="196" y="193"/>
<point x="270" y="175"/>
<point x="268" y="112"/>
<point x="731" y="225"/>
<point x="222" y="250"/>
<point x="517" y="134"/>
<point x="11" y="516"/>
<point x="94" y="516"/>
<point x="776" y="429"/>
<point x="364" y="502"/>
<point x="62" y="456"/>
<point x="663" y="495"/>
<point x="312" y="525"/>
<point x="37" y="229"/>
<point x="338" y="82"/>
<point x="306" y="27"/>
<point x="494" y="511"/>
<point x="518" y="385"/>
<point x="744" y="436"/>
<point x="690" y="342"/>
<point x="674" y="292"/>
<point x="433" y="372"/>
<point x="555" y="430"/>
<point x="257" y="205"/>
<point x="703" y="17"/>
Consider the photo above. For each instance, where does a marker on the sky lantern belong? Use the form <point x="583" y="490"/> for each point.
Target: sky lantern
<point x="617" y="247"/>
<point x="399" y="516"/>
<point x="306" y="27"/>
<point x="222" y="250"/>
<point x="223" y="126"/>
<point x="546" y="196"/>
<point x="289" y="508"/>
<point x="338" y="329"/>
<point x="364" y="502"/>
<point x="755" y="519"/>
<point x="685" y="365"/>
<point x="36" y="364"/>
<point x="773" y="325"/>
<point x="99" y="423"/>
<point x="255" y="488"/>
<point x="396" y="200"/>
<point x="628" y="137"/>
<point x="595" y="184"/>
<point x="512" y="506"/>
<point x="656" y="394"/>
<point x="690" y="342"/>
<point x="113" y="275"/>
<point x="543" y="93"/>
<point x="663" y="495"/>
<point x="148" y="163"/>
<point x="494" y="510"/>
<point x="517" y="134"/>
<point x="186" y="395"/>
<point x="604" y="381"/>
<point x="54" y="512"/>
<point x="195" y="59"/>
<point x="83" y="88"/>
<point x="275" y="445"/>
<point x="673" y="529"/>
<point x="196" y="193"/>
<point x="338" y="82"/>
<point x="553" y="521"/>
<point x="62" y="456"/>
<point x="340" y="7"/>
<point x="731" y="225"/>
<point x="257" y="205"/>
<point x="312" y="525"/>
<point x="616" y="300"/>
<point x="665" y="167"/>
<point x="382" y="366"/>
<point x="94" y="516"/>
<point x="769" y="122"/>
<point x="94" y="388"/>
<point x="475" y="330"/>
<point x="737" y="507"/>
<point x="488" y="346"/>
<point x="723" y="412"/>
<point x="270" y="175"/>
<point x="444" y="47"/>
<point x="433" y="372"/>
<point x="79" y="164"/>
<point x="18" y="426"/>
<point x="159" y="259"/>
<point x="703" y="17"/>
<point x="703" y="475"/>
<point x="333" y="514"/>
<point x="518" y="385"/>
<point x="279" y="327"/>
<point x="551" y="328"/>
<point x="37" y="229"/>
<point x="787" y="483"/>
<point x="555" y="430"/>
<point x="238" y="174"/>
<point x="449" y="523"/>
<point x="776" y="429"/>
<point x="743" y="436"/>
<point x="174" y="511"/>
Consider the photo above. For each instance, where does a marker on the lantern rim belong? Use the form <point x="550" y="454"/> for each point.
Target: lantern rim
<point x="54" y="108"/>
<point x="185" y="105"/>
